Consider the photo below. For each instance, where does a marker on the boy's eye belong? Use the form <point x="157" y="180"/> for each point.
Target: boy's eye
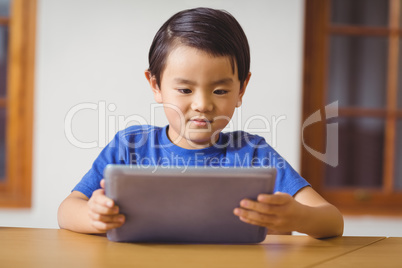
<point x="220" y="92"/>
<point x="184" y="90"/>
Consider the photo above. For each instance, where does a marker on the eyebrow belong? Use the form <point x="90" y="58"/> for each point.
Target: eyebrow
<point x="218" y="82"/>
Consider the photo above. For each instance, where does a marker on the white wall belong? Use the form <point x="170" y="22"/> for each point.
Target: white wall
<point x="89" y="51"/>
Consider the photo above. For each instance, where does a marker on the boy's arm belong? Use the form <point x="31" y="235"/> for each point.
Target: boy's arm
<point x="320" y="218"/>
<point x="307" y="213"/>
<point x="95" y="215"/>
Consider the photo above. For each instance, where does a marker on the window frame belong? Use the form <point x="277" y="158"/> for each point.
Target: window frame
<point x="358" y="200"/>
<point x="15" y="190"/>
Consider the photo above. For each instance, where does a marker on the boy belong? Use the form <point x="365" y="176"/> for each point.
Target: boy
<point x="199" y="69"/>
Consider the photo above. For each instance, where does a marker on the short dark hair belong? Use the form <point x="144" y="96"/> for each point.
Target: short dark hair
<point x="214" y="31"/>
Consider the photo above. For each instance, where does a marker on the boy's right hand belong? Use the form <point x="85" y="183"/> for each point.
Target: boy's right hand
<point x="103" y="212"/>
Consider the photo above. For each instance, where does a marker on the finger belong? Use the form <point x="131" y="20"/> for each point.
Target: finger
<point x="259" y="207"/>
<point x="253" y="222"/>
<point x="254" y="216"/>
<point x="101" y="209"/>
<point x="104" y="226"/>
<point x="274" y="199"/>
<point x="118" y="218"/>
<point x="102" y="183"/>
<point x="100" y="198"/>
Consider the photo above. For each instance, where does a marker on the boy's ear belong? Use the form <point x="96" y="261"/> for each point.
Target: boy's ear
<point x="154" y="86"/>
<point x="243" y="90"/>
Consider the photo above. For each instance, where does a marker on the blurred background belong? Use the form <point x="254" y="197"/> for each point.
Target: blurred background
<point x="72" y="75"/>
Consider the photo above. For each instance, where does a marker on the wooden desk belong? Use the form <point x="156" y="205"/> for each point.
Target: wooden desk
<point x="384" y="253"/>
<point x="22" y="247"/>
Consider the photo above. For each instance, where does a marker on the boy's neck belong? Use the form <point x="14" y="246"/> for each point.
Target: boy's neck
<point x="185" y="143"/>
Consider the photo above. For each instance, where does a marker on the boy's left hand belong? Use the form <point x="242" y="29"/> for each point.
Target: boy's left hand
<point x="279" y="212"/>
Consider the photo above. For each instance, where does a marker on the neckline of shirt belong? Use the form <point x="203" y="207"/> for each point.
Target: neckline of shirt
<point x="170" y="147"/>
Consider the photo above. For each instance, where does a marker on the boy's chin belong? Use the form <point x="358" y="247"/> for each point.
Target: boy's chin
<point x="200" y="140"/>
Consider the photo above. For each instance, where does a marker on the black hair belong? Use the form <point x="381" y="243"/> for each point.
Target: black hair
<point x="213" y="31"/>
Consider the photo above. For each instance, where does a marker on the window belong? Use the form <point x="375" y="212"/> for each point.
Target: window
<point x="353" y="56"/>
<point x="17" y="40"/>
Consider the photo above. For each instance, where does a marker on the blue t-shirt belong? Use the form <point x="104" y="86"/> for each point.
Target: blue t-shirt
<point x="147" y="145"/>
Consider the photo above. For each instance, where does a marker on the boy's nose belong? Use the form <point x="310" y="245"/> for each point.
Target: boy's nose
<point x="202" y="104"/>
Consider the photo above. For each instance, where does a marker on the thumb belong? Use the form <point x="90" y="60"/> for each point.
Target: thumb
<point x="102" y="183"/>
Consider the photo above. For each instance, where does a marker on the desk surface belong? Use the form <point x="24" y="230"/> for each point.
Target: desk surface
<point x="384" y="253"/>
<point x="23" y="247"/>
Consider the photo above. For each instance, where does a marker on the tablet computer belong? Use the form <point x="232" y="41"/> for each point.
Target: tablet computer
<point x="185" y="205"/>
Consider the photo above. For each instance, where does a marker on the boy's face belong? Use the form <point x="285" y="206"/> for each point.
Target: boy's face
<point x="200" y="93"/>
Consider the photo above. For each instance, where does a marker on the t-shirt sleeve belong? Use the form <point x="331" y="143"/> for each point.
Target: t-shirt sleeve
<point x="113" y="153"/>
<point x="287" y="179"/>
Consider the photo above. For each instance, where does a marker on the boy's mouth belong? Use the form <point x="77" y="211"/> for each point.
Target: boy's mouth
<point x="200" y="122"/>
